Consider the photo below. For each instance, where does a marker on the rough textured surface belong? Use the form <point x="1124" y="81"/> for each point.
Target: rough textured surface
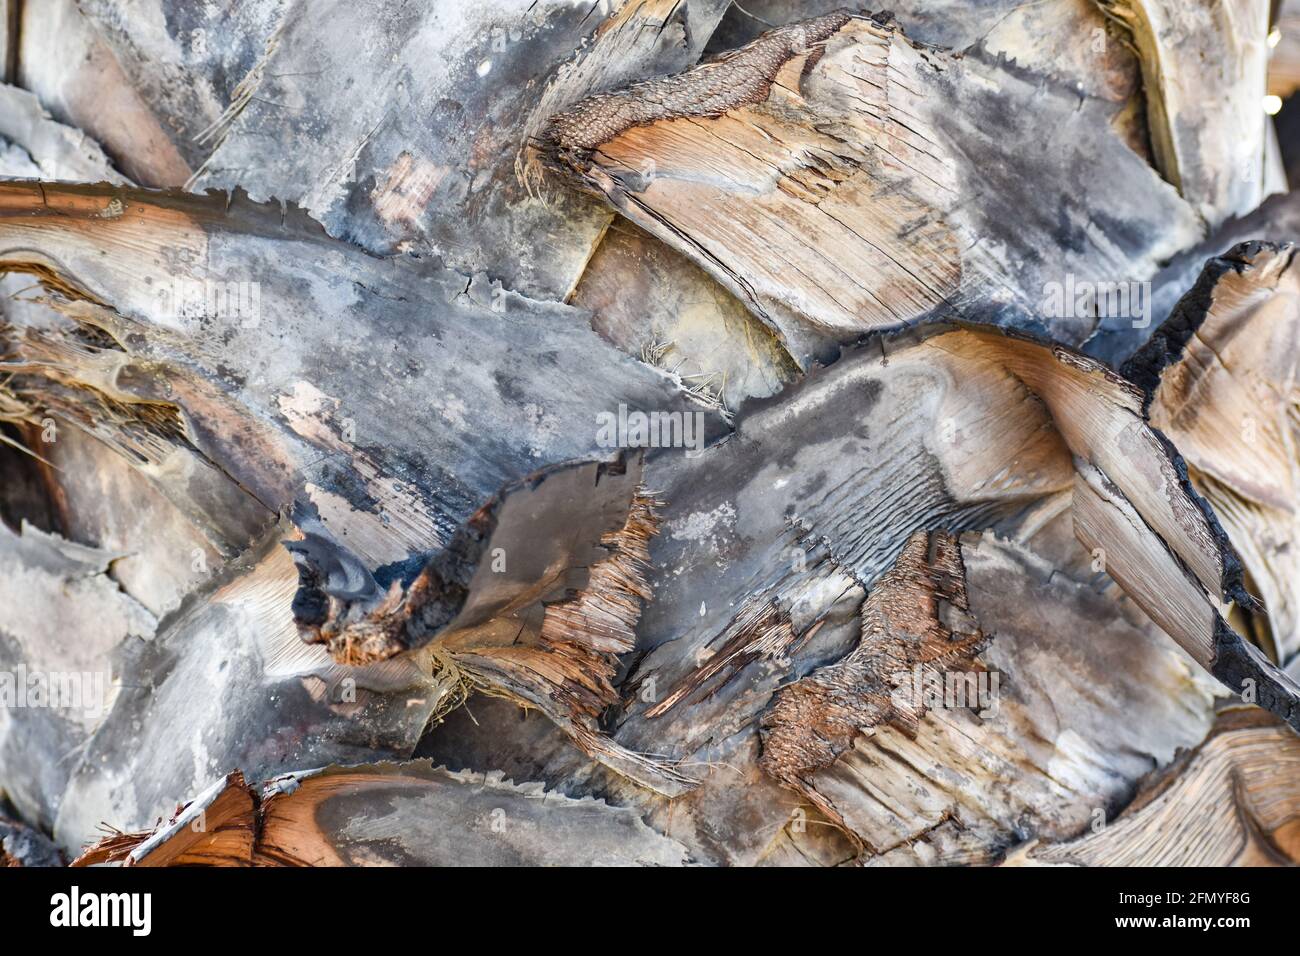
<point x="994" y="427"/>
<point x="916" y="627"/>
<point x="963" y="788"/>
<point x="229" y="659"/>
<point x="1230" y="801"/>
<point x="392" y="814"/>
<point x="739" y="78"/>
<point x="407" y="127"/>
<point x="1222" y="379"/>
<point x="231" y="429"/>
<point x="769" y="517"/>
<point x="1204" y="74"/>
<point x="761" y="568"/>
<point x="858" y="183"/>
<point x="1041" y="757"/>
<point x="66" y="621"/>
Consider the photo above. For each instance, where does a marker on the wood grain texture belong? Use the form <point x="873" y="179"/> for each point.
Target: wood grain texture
<point x="1222" y="378"/>
<point x="853" y="182"/>
<point x="1230" y="801"/>
<point x="1204" y="75"/>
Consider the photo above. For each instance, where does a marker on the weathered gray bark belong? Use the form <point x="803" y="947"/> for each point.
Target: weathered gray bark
<point x="372" y="579"/>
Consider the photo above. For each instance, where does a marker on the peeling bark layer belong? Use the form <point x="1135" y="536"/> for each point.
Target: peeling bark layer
<point x="408" y="127"/>
<point x="838" y="177"/>
<point x="1117" y="339"/>
<point x="705" y="443"/>
<point x="1204" y="74"/>
<point x="910" y="637"/>
<point x="1221" y="377"/>
<point x="966" y="787"/>
<point x="408" y="814"/>
<point x="729" y="623"/>
<point x="232" y="436"/>
<point x="1231" y="801"/>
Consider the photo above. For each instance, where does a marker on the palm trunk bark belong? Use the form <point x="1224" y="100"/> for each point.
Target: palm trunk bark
<point x="774" y="436"/>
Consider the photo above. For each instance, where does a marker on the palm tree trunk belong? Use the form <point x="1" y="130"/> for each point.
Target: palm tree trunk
<point x="778" y="435"/>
